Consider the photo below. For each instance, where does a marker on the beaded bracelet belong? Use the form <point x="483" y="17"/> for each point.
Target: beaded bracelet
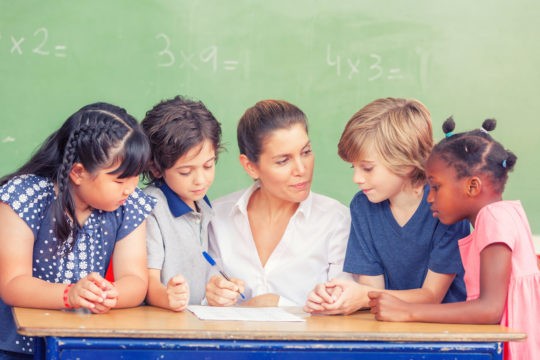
<point x="65" y="297"/>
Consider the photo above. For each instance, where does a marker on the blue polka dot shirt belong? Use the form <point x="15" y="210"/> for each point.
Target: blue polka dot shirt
<point x="31" y="197"/>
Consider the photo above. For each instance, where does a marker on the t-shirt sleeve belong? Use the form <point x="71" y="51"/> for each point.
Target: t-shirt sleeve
<point x="136" y="209"/>
<point x="154" y="243"/>
<point x="361" y="257"/>
<point x="445" y="257"/>
<point x="29" y="196"/>
<point x="495" y="225"/>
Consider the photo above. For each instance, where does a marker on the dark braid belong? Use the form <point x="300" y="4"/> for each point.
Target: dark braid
<point x="65" y="225"/>
<point x="97" y="136"/>
<point x="476" y="152"/>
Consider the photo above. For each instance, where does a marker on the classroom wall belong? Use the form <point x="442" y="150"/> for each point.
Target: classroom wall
<point x="469" y="59"/>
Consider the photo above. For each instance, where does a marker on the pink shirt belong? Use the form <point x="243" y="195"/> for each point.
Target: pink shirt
<point x="506" y="222"/>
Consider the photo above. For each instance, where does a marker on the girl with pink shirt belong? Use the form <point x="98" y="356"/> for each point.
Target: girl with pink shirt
<point x="467" y="173"/>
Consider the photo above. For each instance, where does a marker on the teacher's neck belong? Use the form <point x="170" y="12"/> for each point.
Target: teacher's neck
<point x="271" y="206"/>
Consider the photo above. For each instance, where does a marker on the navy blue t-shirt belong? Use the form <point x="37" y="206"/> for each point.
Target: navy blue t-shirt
<point x="378" y="245"/>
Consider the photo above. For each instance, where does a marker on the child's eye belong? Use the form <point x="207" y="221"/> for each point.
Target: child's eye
<point x="184" y="173"/>
<point x="367" y="169"/>
<point x="307" y="152"/>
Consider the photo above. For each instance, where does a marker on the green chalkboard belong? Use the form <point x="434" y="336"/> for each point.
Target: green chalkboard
<point x="469" y="59"/>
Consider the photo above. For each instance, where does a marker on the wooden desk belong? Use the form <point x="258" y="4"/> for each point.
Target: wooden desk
<point x="149" y="332"/>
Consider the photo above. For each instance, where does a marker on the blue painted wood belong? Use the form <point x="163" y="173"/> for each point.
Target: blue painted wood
<point x="163" y="349"/>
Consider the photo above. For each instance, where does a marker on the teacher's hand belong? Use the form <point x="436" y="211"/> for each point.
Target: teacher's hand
<point x="264" y="300"/>
<point x="220" y="292"/>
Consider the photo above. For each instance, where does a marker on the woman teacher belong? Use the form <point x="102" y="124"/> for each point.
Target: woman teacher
<point x="277" y="239"/>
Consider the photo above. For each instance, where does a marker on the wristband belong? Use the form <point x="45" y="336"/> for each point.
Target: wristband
<point x="65" y="297"/>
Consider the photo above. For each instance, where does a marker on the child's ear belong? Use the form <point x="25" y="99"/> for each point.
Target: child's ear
<point x="474" y="186"/>
<point x="249" y="167"/>
<point x="154" y="170"/>
<point x="77" y="173"/>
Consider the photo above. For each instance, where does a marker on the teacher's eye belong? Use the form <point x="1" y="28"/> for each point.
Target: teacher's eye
<point x="184" y="173"/>
<point x="282" y="161"/>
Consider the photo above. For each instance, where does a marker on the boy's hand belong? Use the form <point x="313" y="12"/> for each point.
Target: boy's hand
<point x="178" y="293"/>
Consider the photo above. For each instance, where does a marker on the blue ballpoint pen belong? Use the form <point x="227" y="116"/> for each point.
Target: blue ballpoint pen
<point x="212" y="262"/>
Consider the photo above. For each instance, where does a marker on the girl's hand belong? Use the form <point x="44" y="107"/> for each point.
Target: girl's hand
<point x="387" y="307"/>
<point x="91" y="291"/>
<point x="178" y="293"/>
<point x="109" y="302"/>
<point x="220" y="292"/>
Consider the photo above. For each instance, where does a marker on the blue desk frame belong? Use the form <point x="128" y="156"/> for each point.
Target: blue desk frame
<point x="151" y="333"/>
<point x="60" y="348"/>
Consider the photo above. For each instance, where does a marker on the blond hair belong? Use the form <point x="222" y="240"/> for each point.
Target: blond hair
<point x="398" y="130"/>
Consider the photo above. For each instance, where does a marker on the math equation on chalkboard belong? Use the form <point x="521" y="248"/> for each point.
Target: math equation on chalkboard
<point x="37" y="43"/>
<point x="208" y="57"/>
<point x="371" y="66"/>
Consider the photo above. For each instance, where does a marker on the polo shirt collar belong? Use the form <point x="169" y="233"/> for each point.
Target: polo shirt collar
<point x="177" y="206"/>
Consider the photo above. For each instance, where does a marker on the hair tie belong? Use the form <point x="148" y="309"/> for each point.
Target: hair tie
<point x="504" y="163"/>
<point x="448" y="134"/>
<point x="483" y="130"/>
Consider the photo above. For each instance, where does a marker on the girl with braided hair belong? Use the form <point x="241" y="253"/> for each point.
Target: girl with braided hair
<point x="64" y="212"/>
<point x="467" y="173"/>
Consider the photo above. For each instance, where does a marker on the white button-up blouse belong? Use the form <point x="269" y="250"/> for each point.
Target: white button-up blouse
<point x="311" y="251"/>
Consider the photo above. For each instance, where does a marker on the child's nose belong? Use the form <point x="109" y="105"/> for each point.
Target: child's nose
<point x="430" y="197"/>
<point x="130" y="186"/>
<point x="199" y="177"/>
<point x="358" y="178"/>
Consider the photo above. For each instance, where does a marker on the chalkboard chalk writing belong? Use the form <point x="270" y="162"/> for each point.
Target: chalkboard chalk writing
<point x="375" y="69"/>
<point x="38" y="44"/>
<point x="328" y="57"/>
<point x="209" y="57"/>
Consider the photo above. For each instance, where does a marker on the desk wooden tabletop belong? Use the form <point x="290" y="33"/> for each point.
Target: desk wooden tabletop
<point x="152" y="322"/>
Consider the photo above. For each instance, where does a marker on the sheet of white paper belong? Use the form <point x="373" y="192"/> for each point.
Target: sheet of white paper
<point x="242" y="313"/>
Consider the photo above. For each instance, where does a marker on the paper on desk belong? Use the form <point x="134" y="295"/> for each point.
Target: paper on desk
<point x="242" y="313"/>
